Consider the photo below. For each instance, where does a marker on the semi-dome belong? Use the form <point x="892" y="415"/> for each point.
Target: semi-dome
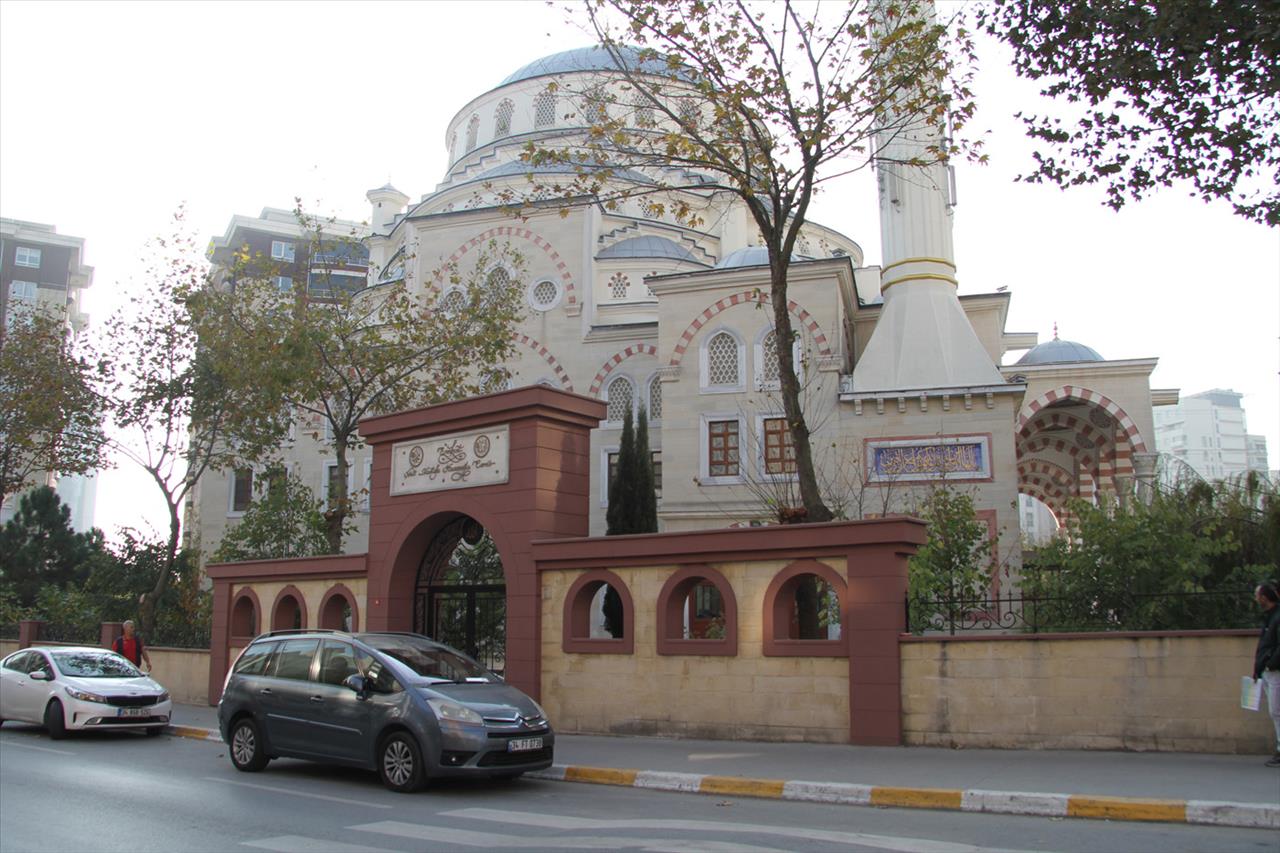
<point x="594" y="58"/>
<point x="647" y="247"/>
<point x="1059" y="352"/>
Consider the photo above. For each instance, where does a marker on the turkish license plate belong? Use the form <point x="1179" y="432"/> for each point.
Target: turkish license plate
<point x="134" y="712"/>
<point x="524" y="744"/>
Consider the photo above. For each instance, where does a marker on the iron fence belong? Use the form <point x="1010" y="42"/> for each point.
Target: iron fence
<point x="1111" y="610"/>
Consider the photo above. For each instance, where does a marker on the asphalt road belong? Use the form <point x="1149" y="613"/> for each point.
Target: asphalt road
<point x="117" y="791"/>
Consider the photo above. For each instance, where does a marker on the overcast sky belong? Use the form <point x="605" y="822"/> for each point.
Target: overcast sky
<point x="111" y="114"/>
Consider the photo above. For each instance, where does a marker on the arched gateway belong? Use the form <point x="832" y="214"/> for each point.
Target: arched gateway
<point x="515" y="463"/>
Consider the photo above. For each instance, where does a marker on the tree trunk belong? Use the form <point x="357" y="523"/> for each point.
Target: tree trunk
<point x="335" y="516"/>
<point x="150" y="602"/>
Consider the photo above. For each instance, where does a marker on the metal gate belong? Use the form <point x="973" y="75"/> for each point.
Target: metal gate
<point x="460" y="598"/>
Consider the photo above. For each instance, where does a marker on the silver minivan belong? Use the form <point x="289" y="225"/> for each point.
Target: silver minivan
<point x="402" y="704"/>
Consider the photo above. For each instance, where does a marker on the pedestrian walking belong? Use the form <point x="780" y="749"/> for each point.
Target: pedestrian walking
<point x="129" y="645"/>
<point x="1266" y="660"/>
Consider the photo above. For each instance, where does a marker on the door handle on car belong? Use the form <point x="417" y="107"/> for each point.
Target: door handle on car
<point x="317" y="698"/>
<point x="266" y="691"/>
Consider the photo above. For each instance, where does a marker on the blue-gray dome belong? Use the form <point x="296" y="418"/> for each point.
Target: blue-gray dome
<point x="595" y="58"/>
<point x="750" y="256"/>
<point x="647" y="247"/>
<point x="1059" y="352"/>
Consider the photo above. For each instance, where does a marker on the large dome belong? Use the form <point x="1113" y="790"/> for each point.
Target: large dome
<point x="595" y="58"/>
<point x="1059" y="352"/>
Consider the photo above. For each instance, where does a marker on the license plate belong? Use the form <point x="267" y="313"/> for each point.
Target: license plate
<point x="134" y="712"/>
<point x="524" y="744"/>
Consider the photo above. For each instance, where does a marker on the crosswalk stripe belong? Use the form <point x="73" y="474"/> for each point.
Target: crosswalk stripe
<point x="302" y="844"/>
<point x="495" y="841"/>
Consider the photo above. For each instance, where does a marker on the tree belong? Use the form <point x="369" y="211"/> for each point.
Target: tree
<point x="41" y="549"/>
<point x="633" y="505"/>
<point x="718" y="100"/>
<point x="50" y="418"/>
<point x="952" y="570"/>
<point x="286" y="520"/>
<point x="349" y="355"/>
<point x="174" y="417"/>
<point x="1152" y="93"/>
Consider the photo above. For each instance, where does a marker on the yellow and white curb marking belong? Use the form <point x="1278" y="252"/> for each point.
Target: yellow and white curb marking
<point x="1204" y="812"/>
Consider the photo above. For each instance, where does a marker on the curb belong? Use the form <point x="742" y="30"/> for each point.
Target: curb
<point x="1200" y="812"/>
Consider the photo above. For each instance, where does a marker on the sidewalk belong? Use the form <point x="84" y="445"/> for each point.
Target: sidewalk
<point x="1232" y="790"/>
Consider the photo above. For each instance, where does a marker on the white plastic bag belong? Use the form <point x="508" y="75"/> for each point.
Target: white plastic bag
<point x="1250" y="693"/>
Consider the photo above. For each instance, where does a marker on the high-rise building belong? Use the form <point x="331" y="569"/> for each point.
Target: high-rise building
<point x="1208" y="432"/>
<point x="41" y="269"/>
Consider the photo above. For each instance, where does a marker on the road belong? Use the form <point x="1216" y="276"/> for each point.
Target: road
<point x="118" y="791"/>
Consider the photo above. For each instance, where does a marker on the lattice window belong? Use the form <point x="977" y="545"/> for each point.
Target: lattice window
<point x="498" y="279"/>
<point x="779" y="451"/>
<point x="473" y="131"/>
<point x="769" y="358"/>
<point x="502" y="118"/>
<point x="722" y="360"/>
<point x="620" y="393"/>
<point x="544" y="294"/>
<point x="544" y="110"/>
<point x="655" y="398"/>
<point x="644" y="115"/>
<point x="452" y="303"/>
<point x="656" y="456"/>
<point x="690" y="115"/>
<point x="618" y="285"/>
<point x="722" y="448"/>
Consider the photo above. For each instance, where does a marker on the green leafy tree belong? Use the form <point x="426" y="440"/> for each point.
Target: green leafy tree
<point x="633" y="505"/>
<point x="719" y="101"/>
<point x="349" y="355"/>
<point x="50" y="417"/>
<point x="951" y="572"/>
<point x="41" y="549"/>
<point x="1153" y="92"/>
<point x="286" y="520"/>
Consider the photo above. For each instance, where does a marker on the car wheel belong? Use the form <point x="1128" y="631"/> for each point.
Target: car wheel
<point x="247" y="753"/>
<point x="400" y="763"/>
<point x="55" y="721"/>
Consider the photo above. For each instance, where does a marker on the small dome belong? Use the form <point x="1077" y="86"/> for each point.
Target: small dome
<point x="749" y="256"/>
<point x="1059" y="352"/>
<point x="647" y="247"/>
<point x="595" y="58"/>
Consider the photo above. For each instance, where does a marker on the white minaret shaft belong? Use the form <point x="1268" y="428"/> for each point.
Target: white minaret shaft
<point x="923" y="339"/>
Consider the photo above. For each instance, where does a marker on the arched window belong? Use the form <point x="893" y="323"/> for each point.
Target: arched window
<point x="599" y="617"/>
<point x="620" y="394"/>
<point x="502" y="118"/>
<point x="655" y="398"/>
<point x="618" y="285"/>
<point x="722" y="357"/>
<point x="644" y="118"/>
<point x="452" y="302"/>
<point x="289" y="611"/>
<point x="498" y="278"/>
<point x="697" y="613"/>
<point x="769" y="358"/>
<point x="244" y="614"/>
<point x="338" y="610"/>
<point x="544" y="110"/>
<point x="473" y="131"/>
<point x="804" y="610"/>
<point x="690" y="114"/>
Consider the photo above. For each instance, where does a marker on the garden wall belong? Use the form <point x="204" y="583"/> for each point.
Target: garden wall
<point x="1158" y="691"/>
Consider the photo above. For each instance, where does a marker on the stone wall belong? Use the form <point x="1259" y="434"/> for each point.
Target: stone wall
<point x="1174" y="691"/>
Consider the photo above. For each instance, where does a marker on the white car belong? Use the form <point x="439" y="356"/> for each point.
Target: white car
<point x="71" y="688"/>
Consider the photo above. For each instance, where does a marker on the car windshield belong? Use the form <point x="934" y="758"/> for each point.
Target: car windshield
<point x="94" y="665"/>
<point x="429" y="659"/>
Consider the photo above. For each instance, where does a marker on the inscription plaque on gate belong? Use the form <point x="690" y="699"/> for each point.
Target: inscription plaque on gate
<point x="458" y="461"/>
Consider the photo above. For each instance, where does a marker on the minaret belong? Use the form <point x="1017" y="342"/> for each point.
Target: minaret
<point x="923" y="339"/>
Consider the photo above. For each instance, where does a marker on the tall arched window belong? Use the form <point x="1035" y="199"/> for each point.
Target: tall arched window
<point x="473" y="131"/>
<point x="769" y="358"/>
<point x="655" y="398"/>
<point x="620" y="394"/>
<point x="644" y="115"/>
<point x="544" y="110"/>
<point x="502" y="118"/>
<point x="498" y="278"/>
<point x="722" y="360"/>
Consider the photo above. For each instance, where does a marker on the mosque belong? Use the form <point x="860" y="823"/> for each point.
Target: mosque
<point x="905" y="380"/>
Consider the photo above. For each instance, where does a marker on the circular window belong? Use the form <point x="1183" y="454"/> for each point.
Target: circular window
<point x="544" y="294"/>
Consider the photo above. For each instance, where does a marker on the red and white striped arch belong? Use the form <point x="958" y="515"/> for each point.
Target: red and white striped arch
<point x="562" y="269"/>
<point x="755" y="296"/>
<point x="562" y="375"/>
<point x="617" y="358"/>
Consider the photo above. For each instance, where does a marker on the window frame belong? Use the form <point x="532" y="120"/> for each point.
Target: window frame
<point x="635" y="402"/>
<point x="705" y="385"/>
<point x="23" y="297"/>
<point x="233" y="478"/>
<point x="705" y="477"/>
<point x="30" y="252"/>
<point x="578" y="599"/>
<point x="547" y="306"/>
<point x="548" y="97"/>
<point x="671" y="599"/>
<point x="288" y="251"/>
<point x="757" y="367"/>
<point x="655" y="378"/>
<point x="760" y="455"/>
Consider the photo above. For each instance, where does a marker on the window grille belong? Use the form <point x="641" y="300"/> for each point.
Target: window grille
<point x="473" y="130"/>
<point x="618" y="285"/>
<point x="722" y="448"/>
<point x="655" y="398"/>
<point x="498" y="278"/>
<point x="545" y="293"/>
<point x="690" y="114"/>
<point x="502" y="118"/>
<point x="644" y="115"/>
<point x="779" y="451"/>
<point x="769" y="358"/>
<point x="544" y="110"/>
<point x="452" y="303"/>
<point x="620" y="393"/>
<point x="722" y="360"/>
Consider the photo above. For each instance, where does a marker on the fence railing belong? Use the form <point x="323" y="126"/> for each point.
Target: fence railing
<point x="1113" y="610"/>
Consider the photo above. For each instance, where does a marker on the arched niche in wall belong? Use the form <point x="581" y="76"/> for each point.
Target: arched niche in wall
<point x="697" y="613"/>
<point x="805" y="610"/>
<point x="580" y="607"/>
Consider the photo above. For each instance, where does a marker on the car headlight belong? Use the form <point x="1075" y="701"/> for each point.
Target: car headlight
<point x="455" y="713"/>
<point x="83" y="696"/>
<point x="163" y="697"/>
<point x="541" y="711"/>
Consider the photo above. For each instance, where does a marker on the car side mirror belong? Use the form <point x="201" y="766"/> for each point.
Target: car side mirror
<point x="40" y="675"/>
<point x="358" y="683"/>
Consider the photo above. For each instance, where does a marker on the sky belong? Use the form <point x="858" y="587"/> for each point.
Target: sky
<point x="112" y="114"/>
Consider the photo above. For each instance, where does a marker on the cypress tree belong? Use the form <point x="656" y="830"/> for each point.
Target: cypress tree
<point x="646" y="498"/>
<point x="620" y="519"/>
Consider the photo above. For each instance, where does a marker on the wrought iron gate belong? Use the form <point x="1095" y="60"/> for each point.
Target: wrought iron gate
<point x="463" y="602"/>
